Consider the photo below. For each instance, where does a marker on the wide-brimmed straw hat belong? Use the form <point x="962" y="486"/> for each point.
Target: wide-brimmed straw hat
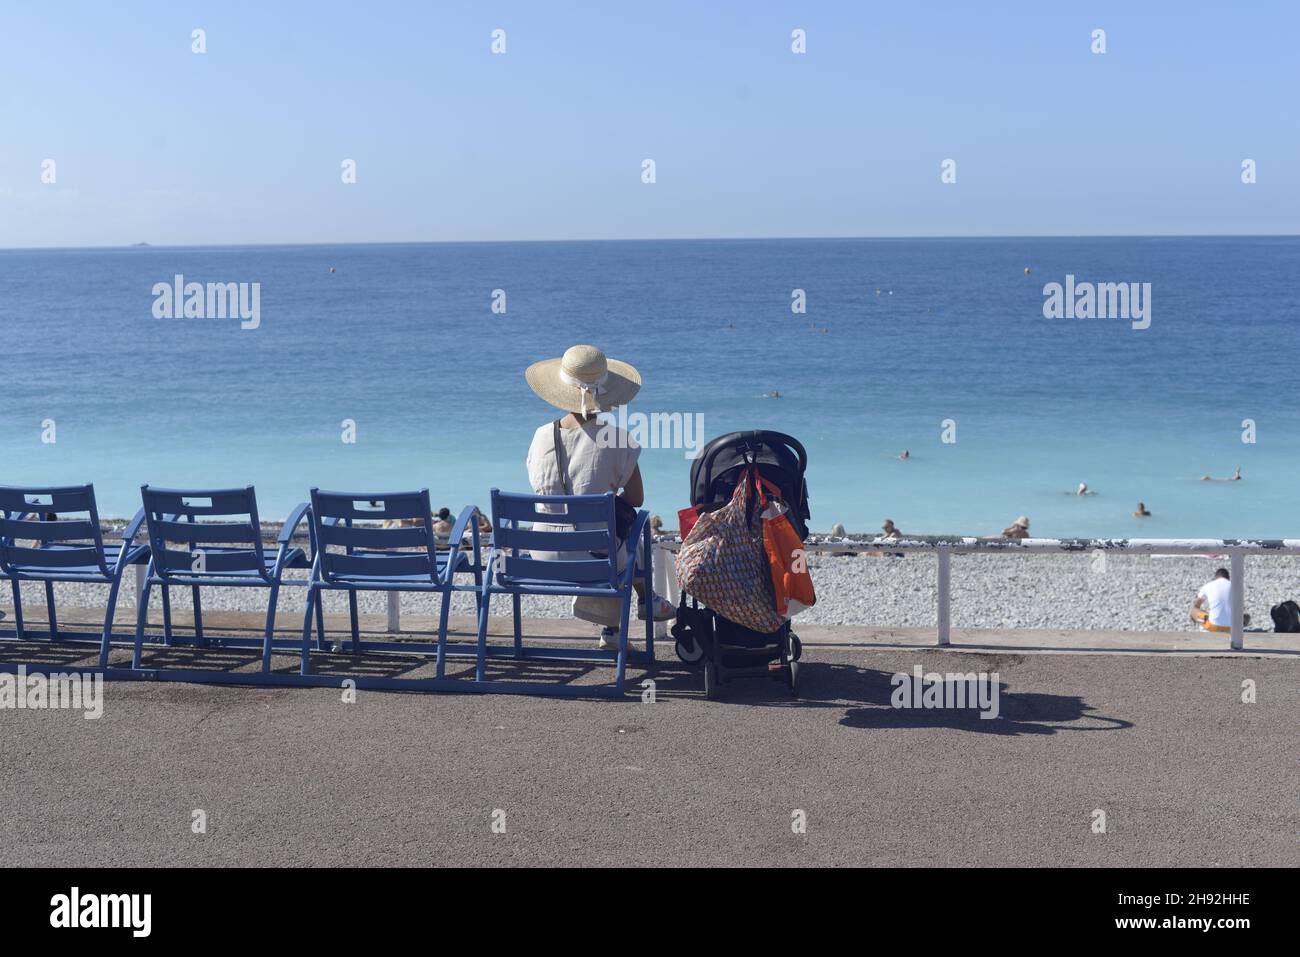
<point x="584" y="380"/>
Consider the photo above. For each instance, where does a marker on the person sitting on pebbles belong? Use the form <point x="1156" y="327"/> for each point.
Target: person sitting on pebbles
<point x="1017" y="529"/>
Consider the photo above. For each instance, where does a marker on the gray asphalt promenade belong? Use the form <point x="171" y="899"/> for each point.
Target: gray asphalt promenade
<point x="1159" y="740"/>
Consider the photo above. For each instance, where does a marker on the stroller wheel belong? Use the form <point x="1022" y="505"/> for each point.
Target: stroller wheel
<point x="794" y="678"/>
<point x="689" y="650"/>
<point x="710" y="680"/>
<point x="796" y="647"/>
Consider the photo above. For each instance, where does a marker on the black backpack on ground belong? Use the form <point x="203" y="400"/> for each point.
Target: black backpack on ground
<point x="1286" y="616"/>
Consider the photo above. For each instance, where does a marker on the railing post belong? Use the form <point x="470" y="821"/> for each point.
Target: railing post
<point x="944" y="616"/>
<point x="1238" y="572"/>
<point x="394" y="612"/>
<point x="659" y="557"/>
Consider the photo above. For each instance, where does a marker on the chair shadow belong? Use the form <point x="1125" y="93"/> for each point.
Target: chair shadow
<point x="44" y="653"/>
<point x="367" y="664"/>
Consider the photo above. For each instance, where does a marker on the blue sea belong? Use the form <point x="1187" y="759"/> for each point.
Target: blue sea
<point x="898" y="336"/>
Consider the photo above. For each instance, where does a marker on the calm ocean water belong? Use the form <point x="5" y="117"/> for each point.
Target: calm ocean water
<point x="401" y="339"/>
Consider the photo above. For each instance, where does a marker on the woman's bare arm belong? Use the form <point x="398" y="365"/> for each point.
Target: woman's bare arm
<point x="634" y="492"/>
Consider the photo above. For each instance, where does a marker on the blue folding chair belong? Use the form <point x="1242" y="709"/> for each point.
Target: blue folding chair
<point x="512" y="571"/>
<point x="228" y="553"/>
<point x="355" y="557"/>
<point x="65" y="550"/>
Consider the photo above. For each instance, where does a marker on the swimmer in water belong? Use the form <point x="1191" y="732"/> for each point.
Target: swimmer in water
<point x="1083" y="489"/>
<point x="1235" y="477"/>
<point x="1141" y="511"/>
<point x="904" y="455"/>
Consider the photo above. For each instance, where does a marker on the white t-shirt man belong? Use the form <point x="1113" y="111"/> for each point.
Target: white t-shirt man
<point x="1216" y="598"/>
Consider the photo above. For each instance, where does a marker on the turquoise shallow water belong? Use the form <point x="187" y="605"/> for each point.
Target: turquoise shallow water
<point x="401" y="339"/>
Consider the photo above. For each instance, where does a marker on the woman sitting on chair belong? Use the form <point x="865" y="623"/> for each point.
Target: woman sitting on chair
<point x="580" y="455"/>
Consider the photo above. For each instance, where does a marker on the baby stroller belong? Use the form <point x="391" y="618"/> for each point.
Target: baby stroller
<point x="726" y="649"/>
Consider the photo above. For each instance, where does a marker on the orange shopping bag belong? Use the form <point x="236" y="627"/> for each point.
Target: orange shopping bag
<point x="791" y="582"/>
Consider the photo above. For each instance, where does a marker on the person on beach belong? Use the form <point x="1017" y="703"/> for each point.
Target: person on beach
<point x="890" y="530"/>
<point x="442" y="522"/>
<point x="1141" y="511"/>
<point x="1017" y="529"/>
<point x="656" y="526"/>
<point x="1212" y="609"/>
<point x="597" y="458"/>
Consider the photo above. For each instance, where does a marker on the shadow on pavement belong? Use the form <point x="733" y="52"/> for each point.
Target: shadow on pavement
<point x="866" y="698"/>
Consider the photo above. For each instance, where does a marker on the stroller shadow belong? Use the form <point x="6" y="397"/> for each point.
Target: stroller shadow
<point x="865" y="698"/>
<point x="1009" y="713"/>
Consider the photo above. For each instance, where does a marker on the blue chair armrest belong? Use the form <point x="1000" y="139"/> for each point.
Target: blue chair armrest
<point x="634" y="537"/>
<point x="133" y="529"/>
<point x="285" y="537"/>
<point x="300" y="511"/>
<point x="468" y="517"/>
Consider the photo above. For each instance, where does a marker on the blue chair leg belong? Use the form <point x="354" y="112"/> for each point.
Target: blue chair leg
<point x="622" y="641"/>
<point x="141" y="616"/>
<point x="198" y="617"/>
<point x="356" y="629"/>
<point x="320" y="620"/>
<point x="18" y="610"/>
<point x="312" y="597"/>
<point x="49" y="607"/>
<point x="270" y="627"/>
<point x="441" y="661"/>
<point x="480" y="668"/>
<point x="108" y="618"/>
<point x="167" y="614"/>
<point x="517" y="604"/>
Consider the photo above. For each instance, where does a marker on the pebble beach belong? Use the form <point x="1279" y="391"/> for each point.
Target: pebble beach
<point x="1072" y="591"/>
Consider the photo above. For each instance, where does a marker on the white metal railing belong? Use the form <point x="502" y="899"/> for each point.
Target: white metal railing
<point x="944" y="548"/>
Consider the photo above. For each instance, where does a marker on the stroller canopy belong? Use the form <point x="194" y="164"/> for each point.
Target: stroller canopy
<point x="780" y="458"/>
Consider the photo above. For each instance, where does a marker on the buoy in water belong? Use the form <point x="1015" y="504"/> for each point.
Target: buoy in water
<point x="1026" y="270"/>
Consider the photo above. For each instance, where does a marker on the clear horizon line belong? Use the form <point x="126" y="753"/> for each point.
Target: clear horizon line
<point x="658" y="239"/>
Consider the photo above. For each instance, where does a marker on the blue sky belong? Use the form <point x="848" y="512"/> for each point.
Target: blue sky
<point x="244" y="144"/>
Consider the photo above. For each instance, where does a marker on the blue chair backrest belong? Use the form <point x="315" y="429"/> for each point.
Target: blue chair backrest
<point x="348" y="550"/>
<point x="40" y="514"/>
<point x="510" y="510"/>
<point x="217" y="531"/>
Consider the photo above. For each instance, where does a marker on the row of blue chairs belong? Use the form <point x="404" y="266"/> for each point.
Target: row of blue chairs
<point x="355" y="542"/>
